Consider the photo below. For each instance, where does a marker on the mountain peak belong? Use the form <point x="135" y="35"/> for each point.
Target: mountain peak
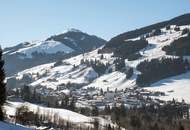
<point x="71" y="30"/>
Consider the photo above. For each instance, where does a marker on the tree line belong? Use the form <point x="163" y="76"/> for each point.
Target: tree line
<point x="157" y="69"/>
<point x="179" y="47"/>
<point x="98" y="66"/>
<point x="172" y="115"/>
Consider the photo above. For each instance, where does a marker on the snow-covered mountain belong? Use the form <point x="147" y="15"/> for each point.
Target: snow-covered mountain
<point x="103" y="67"/>
<point x="57" y="47"/>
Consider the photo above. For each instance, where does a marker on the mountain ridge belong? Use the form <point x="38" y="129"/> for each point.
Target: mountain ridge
<point x="26" y="55"/>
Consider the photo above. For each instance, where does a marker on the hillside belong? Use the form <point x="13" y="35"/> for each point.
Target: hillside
<point x="66" y="115"/>
<point x="175" y="87"/>
<point x="29" y="54"/>
<point x="179" y="21"/>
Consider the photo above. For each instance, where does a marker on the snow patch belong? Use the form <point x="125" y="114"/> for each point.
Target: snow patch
<point x="44" y="47"/>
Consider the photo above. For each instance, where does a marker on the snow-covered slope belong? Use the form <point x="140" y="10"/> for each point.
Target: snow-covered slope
<point x="57" y="47"/>
<point x="43" y="47"/>
<point x="63" y="113"/>
<point x="67" y="115"/>
<point x="174" y="87"/>
<point x="70" y="70"/>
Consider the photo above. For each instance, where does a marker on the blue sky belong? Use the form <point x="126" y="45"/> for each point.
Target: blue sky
<point x="26" y="20"/>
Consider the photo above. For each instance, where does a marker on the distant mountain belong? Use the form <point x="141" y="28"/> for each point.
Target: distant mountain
<point x="58" y="47"/>
<point x="78" y="40"/>
<point x="178" y="21"/>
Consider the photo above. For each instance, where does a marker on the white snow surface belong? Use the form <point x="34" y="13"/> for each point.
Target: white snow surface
<point x="44" y="47"/>
<point x="177" y="87"/>
<point x="61" y="113"/>
<point x="71" y="30"/>
<point x="54" y="76"/>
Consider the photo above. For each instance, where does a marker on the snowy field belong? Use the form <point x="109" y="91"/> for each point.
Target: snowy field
<point x="44" y="47"/>
<point x="62" y="113"/>
<point x="67" y="115"/>
<point x="177" y="87"/>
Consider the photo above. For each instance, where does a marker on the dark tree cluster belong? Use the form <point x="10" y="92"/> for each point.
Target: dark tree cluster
<point x="95" y="111"/>
<point x="168" y="27"/>
<point x="118" y="113"/>
<point x="170" y="116"/>
<point x="99" y="67"/>
<point x="123" y="48"/>
<point x="2" y="86"/>
<point x="28" y="95"/>
<point x="129" y="73"/>
<point x="185" y="31"/>
<point x="134" y="56"/>
<point x="119" y="64"/>
<point x="179" y="47"/>
<point x="66" y="102"/>
<point x="127" y="48"/>
<point x="49" y="119"/>
<point x="58" y="63"/>
<point x="157" y="69"/>
<point x="177" y="29"/>
<point x="73" y="86"/>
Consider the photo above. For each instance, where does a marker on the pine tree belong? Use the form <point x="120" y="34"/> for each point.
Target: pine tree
<point x="102" y="56"/>
<point x="17" y="93"/>
<point x="2" y="86"/>
<point x="56" y="104"/>
<point x="180" y="127"/>
<point x="101" y="91"/>
<point x="96" y="124"/>
<point x="95" y="111"/>
<point x="65" y="102"/>
<point x="109" y="127"/>
<point x="107" y="109"/>
<point x="25" y="93"/>
<point x="123" y="110"/>
<point x="72" y="104"/>
<point x="34" y="99"/>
